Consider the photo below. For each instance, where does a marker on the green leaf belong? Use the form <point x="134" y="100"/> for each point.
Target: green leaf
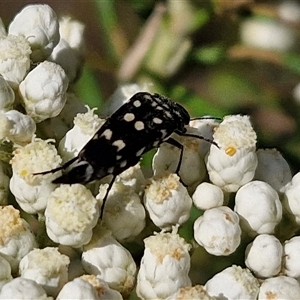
<point x="292" y="61"/>
<point x="196" y="105"/>
<point x="209" y="55"/>
<point x="108" y="24"/>
<point x="87" y="88"/>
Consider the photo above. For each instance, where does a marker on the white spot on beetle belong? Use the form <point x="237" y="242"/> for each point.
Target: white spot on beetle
<point x="163" y="133"/>
<point x="107" y="134"/>
<point x="139" y="125"/>
<point x="119" y="144"/>
<point x="168" y="114"/>
<point x="123" y="163"/>
<point x="137" y="103"/>
<point x="129" y="117"/>
<point x="147" y="97"/>
<point x="157" y="120"/>
<point x="140" y="152"/>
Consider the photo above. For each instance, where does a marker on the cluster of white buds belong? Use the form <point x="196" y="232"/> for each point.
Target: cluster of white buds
<point x="88" y="287"/>
<point x="164" y="266"/>
<point x="47" y="267"/>
<point x="32" y="69"/>
<point x="228" y="198"/>
<point x="85" y="126"/>
<point x="23" y="288"/>
<point x="124" y="213"/>
<point x="224" y="236"/>
<point x="233" y="162"/>
<point x="30" y="191"/>
<point x="167" y="201"/>
<point x="233" y="283"/>
<point x="106" y="258"/>
<point x="264" y="256"/>
<point x="16" y="239"/>
<point x="192" y="168"/>
<point x="71" y="214"/>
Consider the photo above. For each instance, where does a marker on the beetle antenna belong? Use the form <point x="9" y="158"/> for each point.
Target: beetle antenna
<point x="63" y="167"/>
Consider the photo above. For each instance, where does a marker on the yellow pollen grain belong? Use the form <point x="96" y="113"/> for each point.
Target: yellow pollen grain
<point x="23" y="173"/>
<point x="230" y="151"/>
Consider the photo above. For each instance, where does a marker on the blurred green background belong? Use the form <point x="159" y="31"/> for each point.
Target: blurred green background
<point x="212" y="56"/>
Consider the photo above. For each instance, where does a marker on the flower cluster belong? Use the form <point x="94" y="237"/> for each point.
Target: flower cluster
<point x="229" y="197"/>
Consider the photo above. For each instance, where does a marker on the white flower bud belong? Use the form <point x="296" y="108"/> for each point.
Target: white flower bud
<point x="192" y="168"/>
<point x="17" y="127"/>
<point x="31" y="191"/>
<point x="207" y="196"/>
<point x="291" y="257"/>
<point x="133" y="177"/>
<point x="264" y="255"/>
<point x="291" y="202"/>
<point x="165" y="255"/>
<point x="43" y="91"/>
<point x="233" y="283"/>
<point x="120" y="96"/>
<point x="67" y="58"/>
<point x="16" y="239"/>
<point x="205" y="127"/>
<point x="88" y="287"/>
<point x="2" y="29"/>
<point x="233" y="133"/>
<point x="70" y="49"/>
<point x="124" y="214"/>
<point x="232" y="164"/>
<point x="7" y="95"/>
<point x="77" y="289"/>
<point x="167" y="201"/>
<point x="273" y="169"/>
<point x="39" y="25"/>
<point x="267" y="34"/>
<point x="279" y="288"/>
<point x="103" y="290"/>
<point x="110" y="261"/>
<point x="71" y="214"/>
<point x="218" y="231"/>
<point x="58" y="126"/>
<point x="72" y="31"/>
<point x="47" y="267"/>
<point x="23" y="289"/>
<point x="85" y="126"/>
<point x="192" y="293"/>
<point x="38" y="156"/>
<point x="258" y="207"/>
<point x="14" y="59"/>
<point x="5" y="272"/>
